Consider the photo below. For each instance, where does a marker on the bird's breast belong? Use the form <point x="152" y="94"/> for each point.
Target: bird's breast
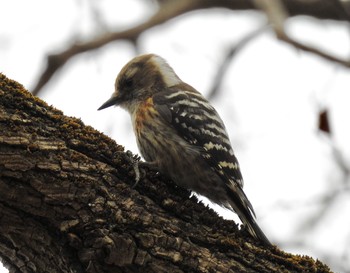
<point x="144" y="116"/>
<point x="149" y="131"/>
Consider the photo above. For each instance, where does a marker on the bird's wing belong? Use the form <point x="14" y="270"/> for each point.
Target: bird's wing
<point x="197" y="122"/>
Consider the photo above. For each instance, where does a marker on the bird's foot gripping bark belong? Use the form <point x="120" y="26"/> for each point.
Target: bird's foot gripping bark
<point x="139" y="166"/>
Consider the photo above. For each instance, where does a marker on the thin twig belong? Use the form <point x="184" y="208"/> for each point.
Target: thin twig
<point x="222" y="70"/>
<point x="57" y="61"/>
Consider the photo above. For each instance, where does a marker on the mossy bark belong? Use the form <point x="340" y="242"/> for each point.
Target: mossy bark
<point x="67" y="205"/>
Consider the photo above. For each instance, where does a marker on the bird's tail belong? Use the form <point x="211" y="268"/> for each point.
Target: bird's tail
<point x="244" y="209"/>
<point x="255" y="230"/>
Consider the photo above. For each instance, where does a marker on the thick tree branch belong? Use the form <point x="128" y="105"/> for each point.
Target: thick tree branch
<point x="66" y="205"/>
<point x="323" y="9"/>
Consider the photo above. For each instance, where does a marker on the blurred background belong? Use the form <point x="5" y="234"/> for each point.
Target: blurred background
<point x="279" y="82"/>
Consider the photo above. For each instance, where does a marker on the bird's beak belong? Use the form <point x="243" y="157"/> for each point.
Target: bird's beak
<point x="114" y="100"/>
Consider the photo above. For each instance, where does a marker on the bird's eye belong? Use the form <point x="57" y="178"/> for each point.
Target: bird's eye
<point x="128" y="82"/>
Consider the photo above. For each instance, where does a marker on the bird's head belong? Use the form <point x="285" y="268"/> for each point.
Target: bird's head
<point x="139" y="79"/>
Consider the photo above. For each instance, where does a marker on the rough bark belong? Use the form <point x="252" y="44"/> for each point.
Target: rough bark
<point x="67" y="205"/>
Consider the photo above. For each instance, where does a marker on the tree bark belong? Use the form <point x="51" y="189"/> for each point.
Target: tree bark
<point x="67" y="205"/>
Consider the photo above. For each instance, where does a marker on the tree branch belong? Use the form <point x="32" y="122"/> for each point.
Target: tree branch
<point x="323" y="9"/>
<point x="277" y="14"/>
<point x="232" y="52"/>
<point x="66" y="205"/>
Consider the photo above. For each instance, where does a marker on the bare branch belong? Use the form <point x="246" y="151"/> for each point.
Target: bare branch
<point x="57" y="61"/>
<point x="315" y="51"/>
<point x="324" y="9"/>
<point x="277" y="14"/>
<point x="220" y="74"/>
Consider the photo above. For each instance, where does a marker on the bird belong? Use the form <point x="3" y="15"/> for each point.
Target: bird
<point x="180" y="134"/>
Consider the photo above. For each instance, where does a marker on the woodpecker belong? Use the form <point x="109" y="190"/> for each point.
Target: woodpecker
<point x="180" y="134"/>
